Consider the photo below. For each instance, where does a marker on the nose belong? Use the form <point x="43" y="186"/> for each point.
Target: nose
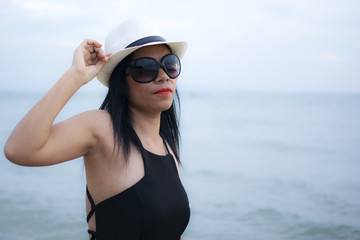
<point x="162" y="76"/>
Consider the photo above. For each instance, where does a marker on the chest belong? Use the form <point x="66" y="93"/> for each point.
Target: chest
<point x="156" y="207"/>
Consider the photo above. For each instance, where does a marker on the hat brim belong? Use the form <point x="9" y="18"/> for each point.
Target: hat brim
<point x="178" y="48"/>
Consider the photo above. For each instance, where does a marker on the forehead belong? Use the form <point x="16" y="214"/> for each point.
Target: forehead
<point x="156" y="51"/>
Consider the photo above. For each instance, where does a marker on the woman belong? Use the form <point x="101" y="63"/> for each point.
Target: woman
<point x="130" y="146"/>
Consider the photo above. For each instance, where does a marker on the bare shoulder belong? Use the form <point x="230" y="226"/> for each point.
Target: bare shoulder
<point x="98" y="120"/>
<point x="95" y="115"/>
<point x="97" y="123"/>
<point x="90" y="124"/>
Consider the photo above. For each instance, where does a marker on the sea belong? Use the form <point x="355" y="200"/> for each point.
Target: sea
<point x="255" y="165"/>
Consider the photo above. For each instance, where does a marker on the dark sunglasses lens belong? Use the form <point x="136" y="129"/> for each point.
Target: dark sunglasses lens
<point x="172" y="65"/>
<point x="144" y="70"/>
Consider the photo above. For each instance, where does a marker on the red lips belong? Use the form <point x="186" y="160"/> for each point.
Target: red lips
<point x="164" y="91"/>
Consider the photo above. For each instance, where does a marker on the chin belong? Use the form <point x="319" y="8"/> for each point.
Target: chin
<point x="165" y="108"/>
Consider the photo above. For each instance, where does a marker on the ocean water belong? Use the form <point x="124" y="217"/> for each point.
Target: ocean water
<point x="255" y="166"/>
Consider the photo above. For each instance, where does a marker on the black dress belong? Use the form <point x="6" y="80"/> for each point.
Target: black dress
<point x="156" y="207"/>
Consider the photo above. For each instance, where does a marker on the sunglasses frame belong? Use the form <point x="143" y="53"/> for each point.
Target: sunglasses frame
<point x="158" y="64"/>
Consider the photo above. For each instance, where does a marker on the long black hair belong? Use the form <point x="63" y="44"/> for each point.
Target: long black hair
<point x="116" y="103"/>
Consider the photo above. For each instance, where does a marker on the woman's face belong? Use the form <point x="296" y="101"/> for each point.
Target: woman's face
<point x="155" y="96"/>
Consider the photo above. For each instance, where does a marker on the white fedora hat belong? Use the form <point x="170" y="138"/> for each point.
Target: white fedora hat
<point x="128" y="37"/>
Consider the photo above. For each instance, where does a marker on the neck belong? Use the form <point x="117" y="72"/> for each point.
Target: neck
<point x="146" y="125"/>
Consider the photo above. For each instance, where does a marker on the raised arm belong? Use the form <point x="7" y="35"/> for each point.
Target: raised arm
<point x="35" y="140"/>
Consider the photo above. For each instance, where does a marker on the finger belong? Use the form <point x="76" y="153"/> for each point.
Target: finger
<point x="91" y="46"/>
<point x="86" y="43"/>
<point x="93" y="59"/>
<point x="97" y="44"/>
<point x="88" y="59"/>
<point x="90" y="49"/>
<point x="107" y="57"/>
<point x="93" y="56"/>
<point x="90" y="42"/>
<point x="100" y="52"/>
<point x="102" y="55"/>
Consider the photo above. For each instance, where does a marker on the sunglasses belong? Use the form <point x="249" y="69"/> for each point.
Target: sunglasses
<point x="146" y="69"/>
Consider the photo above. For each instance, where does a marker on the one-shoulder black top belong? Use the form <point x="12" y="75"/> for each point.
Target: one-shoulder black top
<point x="156" y="207"/>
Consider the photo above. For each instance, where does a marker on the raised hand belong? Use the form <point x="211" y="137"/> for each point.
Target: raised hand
<point x="89" y="58"/>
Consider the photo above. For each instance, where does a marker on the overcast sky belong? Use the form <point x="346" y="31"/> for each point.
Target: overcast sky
<point x="275" y="45"/>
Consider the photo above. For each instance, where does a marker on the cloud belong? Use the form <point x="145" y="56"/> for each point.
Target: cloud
<point x="128" y="5"/>
<point x="178" y="24"/>
<point x="332" y="58"/>
<point x="271" y="40"/>
<point x="38" y="5"/>
<point x="49" y="10"/>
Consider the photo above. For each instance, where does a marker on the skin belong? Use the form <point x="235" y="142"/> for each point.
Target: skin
<point x="36" y="141"/>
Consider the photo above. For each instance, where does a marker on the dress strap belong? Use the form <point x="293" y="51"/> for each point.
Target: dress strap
<point x="93" y="234"/>
<point x="92" y="205"/>
<point x="167" y="149"/>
